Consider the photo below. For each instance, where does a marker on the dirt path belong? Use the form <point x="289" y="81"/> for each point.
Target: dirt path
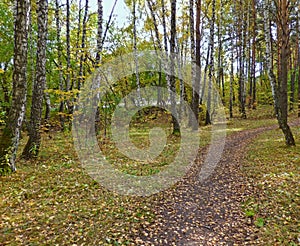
<point x="207" y="213"/>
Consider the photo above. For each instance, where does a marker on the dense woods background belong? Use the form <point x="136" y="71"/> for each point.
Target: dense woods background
<point x="249" y="50"/>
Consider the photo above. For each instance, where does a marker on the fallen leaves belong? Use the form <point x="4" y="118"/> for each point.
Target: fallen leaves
<point x="275" y="173"/>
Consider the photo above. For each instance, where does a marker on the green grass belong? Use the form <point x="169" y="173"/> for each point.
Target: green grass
<point x="275" y="171"/>
<point x="51" y="200"/>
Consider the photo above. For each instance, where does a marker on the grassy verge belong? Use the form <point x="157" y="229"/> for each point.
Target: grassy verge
<point x="275" y="172"/>
<point x="52" y="201"/>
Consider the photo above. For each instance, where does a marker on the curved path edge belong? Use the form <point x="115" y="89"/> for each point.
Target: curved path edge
<point x="209" y="212"/>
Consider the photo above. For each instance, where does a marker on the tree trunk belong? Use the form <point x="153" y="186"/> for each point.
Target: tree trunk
<point x="48" y="105"/>
<point x="195" y="103"/>
<point x="33" y="144"/>
<point x="176" y="126"/>
<point x="83" y="52"/>
<point x="242" y="58"/>
<point x="100" y="41"/>
<point x="9" y="141"/>
<point x="211" y="64"/>
<point x="5" y="88"/>
<point x="68" y="47"/>
<point x="163" y="8"/>
<point x="220" y="47"/>
<point x="231" y="77"/>
<point x="137" y="76"/>
<point x="203" y="87"/>
<point x="279" y="91"/>
<point x="253" y="61"/>
<point x="196" y="86"/>
<point x="59" y="62"/>
<point x="150" y="6"/>
<point x="298" y="58"/>
<point x="158" y="45"/>
<point x="293" y="69"/>
<point x="100" y="32"/>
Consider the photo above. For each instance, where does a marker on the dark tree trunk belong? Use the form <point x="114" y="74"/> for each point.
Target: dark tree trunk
<point x="100" y="32"/>
<point x="195" y="107"/>
<point x="196" y="91"/>
<point x="231" y="77"/>
<point x="68" y="47"/>
<point x="9" y="141"/>
<point x="298" y="59"/>
<point x="211" y="65"/>
<point x="293" y="69"/>
<point x="48" y="106"/>
<point x="242" y="46"/>
<point x="33" y="144"/>
<point x="176" y="126"/>
<point x="253" y="61"/>
<point x="279" y="90"/>
<point x="5" y="88"/>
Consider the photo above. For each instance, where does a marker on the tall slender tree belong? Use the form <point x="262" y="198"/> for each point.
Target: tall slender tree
<point x="99" y="31"/>
<point x="211" y="63"/>
<point x="242" y="25"/>
<point x="33" y="144"/>
<point x="9" y="141"/>
<point x="59" y="61"/>
<point x="68" y="57"/>
<point x="83" y="45"/>
<point x="279" y="88"/>
<point x="176" y="127"/>
<point x="298" y="57"/>
<point x="195" y="103"/>
<point x="231" y="75"/>
<point x="252" y="93"/>
<point x="196" y="86"/>
<point x="137" y="76"/>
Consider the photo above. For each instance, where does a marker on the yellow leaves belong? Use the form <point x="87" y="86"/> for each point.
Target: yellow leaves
<point x="1" y="71"/>
<point x="63" y="95"/>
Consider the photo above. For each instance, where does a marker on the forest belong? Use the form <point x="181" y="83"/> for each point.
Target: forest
<point x="142" y="122"/>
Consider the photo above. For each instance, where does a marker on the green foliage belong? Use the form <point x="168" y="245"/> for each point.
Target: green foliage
<point x="259" y="222"/>
<point x="6" y="32"/>
<point x="5" y="169"/>
<point x="249" y="213"/>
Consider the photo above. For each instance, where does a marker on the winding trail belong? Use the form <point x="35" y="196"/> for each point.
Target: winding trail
<point x="208" y="213"/>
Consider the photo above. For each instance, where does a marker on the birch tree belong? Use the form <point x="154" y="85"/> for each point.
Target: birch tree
<point x="279" y="87"/>
<point x="10" y="139"/>
<point x="196" y="96"/>
<point x="99" y="31"/>
<point x="195" y="103"/>
<point x="59" y="60"/>
<point x="33" y="144"/>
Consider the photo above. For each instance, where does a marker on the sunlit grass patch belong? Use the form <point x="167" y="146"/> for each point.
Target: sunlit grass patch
<point x="51" y="200"/>
<point x="275" y="171"/>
